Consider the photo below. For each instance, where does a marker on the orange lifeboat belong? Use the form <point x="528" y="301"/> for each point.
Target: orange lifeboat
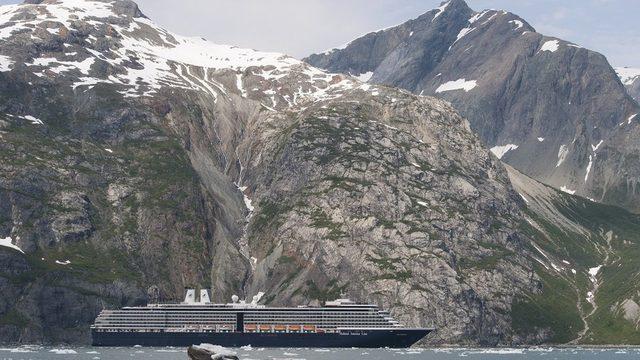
<point x="309" y="328"/>
<point x="265" y="328"/>
<point x="251" y="328"/>
<point x="280" y="328"/>
<point x="294" y="327"/>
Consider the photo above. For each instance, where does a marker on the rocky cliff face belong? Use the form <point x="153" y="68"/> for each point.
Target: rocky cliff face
<point x="136" y="160"/>
<point x="550" y="108"/>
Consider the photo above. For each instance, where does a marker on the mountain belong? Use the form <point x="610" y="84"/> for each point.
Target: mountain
<point x="549" y="108"/>
<point x="630" y="77"/>
<point x="135" y="162"/>
<point x="585" y="253"/>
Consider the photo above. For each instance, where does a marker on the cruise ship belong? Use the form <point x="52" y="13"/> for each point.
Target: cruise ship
<point x="339" y="323"/>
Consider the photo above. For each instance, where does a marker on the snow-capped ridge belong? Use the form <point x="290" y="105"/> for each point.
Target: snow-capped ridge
<point x="144" y="58"/>
<point x="627" y="75"/>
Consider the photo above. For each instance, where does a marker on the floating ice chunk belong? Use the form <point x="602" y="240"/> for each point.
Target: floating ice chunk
<point x="63" y="351"/>
<point x="499" y="351"/>
<point x="216" y="349"/>
<point x="500" y="151"/>
<point x="460" y="84"/>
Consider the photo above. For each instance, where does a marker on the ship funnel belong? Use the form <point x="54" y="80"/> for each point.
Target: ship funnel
<point x="204" y="296"/>
<point x="190" y="297"/>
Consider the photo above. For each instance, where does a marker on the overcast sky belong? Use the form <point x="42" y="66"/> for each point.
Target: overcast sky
<point x="301" y="27"/>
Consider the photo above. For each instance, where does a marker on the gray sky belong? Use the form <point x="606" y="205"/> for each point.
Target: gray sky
<point x="301" y="27"/>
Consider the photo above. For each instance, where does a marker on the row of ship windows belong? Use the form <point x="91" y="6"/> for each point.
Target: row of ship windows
<point x="245" y="321"/>
<point x="164" y="325"/>
<point x="245" y="312"/>
<point x="277" y="321"/>
<point x="246" y="316"/>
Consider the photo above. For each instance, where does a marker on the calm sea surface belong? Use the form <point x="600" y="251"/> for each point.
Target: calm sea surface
<point x="81" y="353"/>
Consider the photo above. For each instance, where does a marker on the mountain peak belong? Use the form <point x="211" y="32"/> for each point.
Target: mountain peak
<point x="451" y="6"/>
<point x="117" y="7"/>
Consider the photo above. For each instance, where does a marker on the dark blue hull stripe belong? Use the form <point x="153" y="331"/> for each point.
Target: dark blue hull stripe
<point x="362" y="339"/>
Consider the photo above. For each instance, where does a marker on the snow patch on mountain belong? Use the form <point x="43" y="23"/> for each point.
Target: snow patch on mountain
<point x="519" y="24"/>
<point x="586" y="177"/>
<point x="562" y="154"/>
<point x="34" y="120"/>
<point x="462" y="34"/>
<point x="460" y="84"/>
<point x="500" y="151"/>
<point x="364" y="77"/>
<point x="440" y="10"/>
<point x="8" y="242"/>
<point x="567" y="190"/>
<point x="627" y="75"/>
<point x="551" y="46"/>
<point x="5" y="63"/>
<point x="597" y="146"/>
<point x="148" y="58"/>
<point x="239" y="85"/>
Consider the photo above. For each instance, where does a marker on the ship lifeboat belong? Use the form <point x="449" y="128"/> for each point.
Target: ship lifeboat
<point x="309" y="328"/>
<point x="280" y="328"/>
<point x="265" y="328"/>
<point x="295" y="328"/>
<point x="225" y="328"/>
<point x="250" y="328"/>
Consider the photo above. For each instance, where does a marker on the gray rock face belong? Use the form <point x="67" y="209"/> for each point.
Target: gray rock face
<point x="550" y="108"/>
<point x="135" y="162"/>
